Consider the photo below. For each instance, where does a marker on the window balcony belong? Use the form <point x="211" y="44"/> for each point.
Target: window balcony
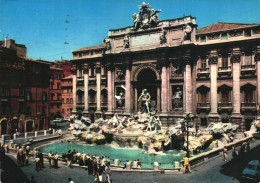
<point x="248" y="70"/>
<point x="224" y="71"/>
<point x="203" y="72"/>
<point x="245" y="106"/>
<point x="225" y="106"/>
<point x="203" y="107"/>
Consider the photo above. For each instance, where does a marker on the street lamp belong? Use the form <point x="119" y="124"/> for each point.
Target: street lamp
<point x="186" y="124"/>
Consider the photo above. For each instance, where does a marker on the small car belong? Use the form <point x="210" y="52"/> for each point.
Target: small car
<point x="252" y="171"/>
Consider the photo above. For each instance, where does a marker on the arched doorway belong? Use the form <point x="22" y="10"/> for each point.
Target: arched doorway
<point x="3" y="126"/>
<point x="146" y="79"/>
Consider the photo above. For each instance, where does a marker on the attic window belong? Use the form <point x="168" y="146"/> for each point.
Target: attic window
<point x="247" y="33"/>
<point x="224" y="36"/>
<point x="203" y="39"/>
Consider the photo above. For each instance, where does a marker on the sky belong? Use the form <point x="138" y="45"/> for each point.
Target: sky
<point x="45" y="25"/>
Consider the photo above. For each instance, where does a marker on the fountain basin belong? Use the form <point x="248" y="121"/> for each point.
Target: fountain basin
<point x="166" y="161"/>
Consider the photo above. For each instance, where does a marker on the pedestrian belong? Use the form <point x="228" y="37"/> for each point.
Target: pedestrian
<point x="241" y="149"/>
<point x="37" y="163"/>
<point x="56" y="158"/>
<point x="41" y="159"/>
<point x="225" y="153"/>
<point x="234" y="153"/>
<point x="32" y="180"/>
<point x="18" y="159"/>
<point x="247" y="146"/>
<point x="26" y="159"/>
<point x="69" y="156"/>
<point x="186" y="164"/>
<point x="108" y="172"/>
<point x="138" y="164"/>
<point x="70" y="180"/>
<point x="27" y="149"/>
<point x="49" y="158"/>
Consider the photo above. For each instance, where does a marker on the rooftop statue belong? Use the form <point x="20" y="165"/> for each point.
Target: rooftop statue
<point x="146" y="18"/>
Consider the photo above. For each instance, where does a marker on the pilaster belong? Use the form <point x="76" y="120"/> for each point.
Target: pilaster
<point x="236" y="115"/>
<point x="257" y="61"/>
<point x="164" y="86"/>
<point x="213" y="115"/>
<point x="74" y="90"/>
<point x="85" y="72"/>
<point x="98" y="84"/>
<point x="109" y="87"/>
<point x="188" y="84"/>
<point x="128" y="87"/>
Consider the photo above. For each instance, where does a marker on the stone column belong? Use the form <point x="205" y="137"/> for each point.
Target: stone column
<point x="164" y="90"/>
<point x="235" y="59"/>
<point x="128" y="88"/>
<point x="98" y="83"/>
<point x="213" y="60"/>
<point x="109" y="88"/>
<point x="188" y="85"/>
<point x="74" y="90"/>
<point x="85" y="71"/>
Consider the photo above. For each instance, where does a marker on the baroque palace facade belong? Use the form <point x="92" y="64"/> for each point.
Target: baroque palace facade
<point x="212" y="72"/>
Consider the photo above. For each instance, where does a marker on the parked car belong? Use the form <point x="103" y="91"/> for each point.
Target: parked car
<point x="252" y="171"/>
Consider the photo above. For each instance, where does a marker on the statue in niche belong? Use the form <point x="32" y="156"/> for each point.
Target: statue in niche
<point x="120" y="100"/>
<point x="120" y="74"/>
<point x="126" y="41"/>
<point x="146" y="18"/>
<point x="108" y="44"/>
<point x="187" y="32"/>
<point x="177" y="99"/>
<point x="144" y="101"/>
<point x="163" y="37"/>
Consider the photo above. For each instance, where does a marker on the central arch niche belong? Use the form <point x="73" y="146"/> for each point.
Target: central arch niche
<point x="146" y="79"/>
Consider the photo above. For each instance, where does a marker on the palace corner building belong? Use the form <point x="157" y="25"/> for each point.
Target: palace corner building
<point x="212" y="72"/>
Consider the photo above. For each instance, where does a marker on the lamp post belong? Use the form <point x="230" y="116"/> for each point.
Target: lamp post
<point x="185" y="128"/>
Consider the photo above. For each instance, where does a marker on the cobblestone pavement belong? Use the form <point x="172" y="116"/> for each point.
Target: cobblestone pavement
<point x="215" y="170"/>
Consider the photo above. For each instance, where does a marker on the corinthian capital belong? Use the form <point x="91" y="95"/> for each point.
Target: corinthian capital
<point x="213" y="59"/>
<point x="235" y="58"/>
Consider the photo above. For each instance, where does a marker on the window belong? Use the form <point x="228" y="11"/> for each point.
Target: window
<point x="203" y="97"/>
<point x="58" y="76"/>
<point x="224" y="36"/>
<point x="4" y="106"/>
<point x="62" y="100"/>
<point x="52" y="85"/>
<point x="4" y="91"/>
<point x="225" y="96"/>
<point x="247" y="33"/>
<point x="28" y="110"/>
<point x="44" y="96"/>
<point x="21" y="107"/>
<point x="203" y="62"/>
<point x="224" y="60"/>
<point x="28" y="95"/>
<point x="58" y="86"/>
<point x="21" y="92"/>
<point x="52" y="96"/>
<point x="68" y="101"/>
<point x="58" y="96"/>
<point x="71" y="101"/>
<point x="203" y="39"/>
<point x="249" y="96"/>
<point x="248" y="58"/>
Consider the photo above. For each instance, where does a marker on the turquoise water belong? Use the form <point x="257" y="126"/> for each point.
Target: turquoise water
<point x="147" y="160"/>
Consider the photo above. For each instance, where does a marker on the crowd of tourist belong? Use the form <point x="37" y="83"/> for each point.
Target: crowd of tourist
<point x="22" y="156"/>
<point x="99" y="167"/>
